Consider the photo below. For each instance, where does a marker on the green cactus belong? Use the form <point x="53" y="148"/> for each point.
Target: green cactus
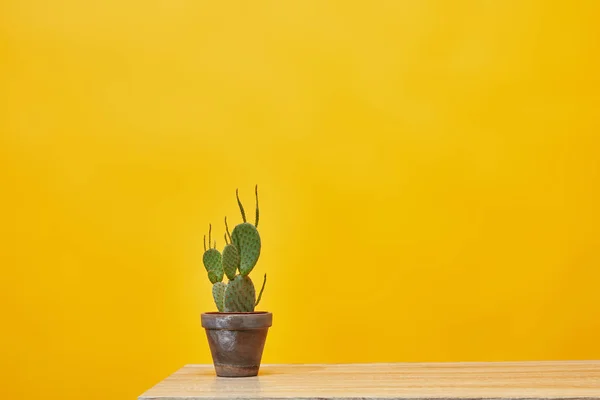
<point x="213" y="265"/>
<point x="247" y="240"/>
<point x="240" y="295"/>
<point x="231" y="260"/>
<point x="212" y="260"/>
<point x="231" y="256"/>
<point x="241" y="253"/>
<point x="218" y="292"/>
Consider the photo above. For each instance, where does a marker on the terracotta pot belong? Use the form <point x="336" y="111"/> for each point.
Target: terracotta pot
<point x="237" y="341"/>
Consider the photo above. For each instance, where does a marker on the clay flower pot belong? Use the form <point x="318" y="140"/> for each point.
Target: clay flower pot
<point x="236" y="341"/>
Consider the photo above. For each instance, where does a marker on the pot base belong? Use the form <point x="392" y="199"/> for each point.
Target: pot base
<point x="236" y="371"/>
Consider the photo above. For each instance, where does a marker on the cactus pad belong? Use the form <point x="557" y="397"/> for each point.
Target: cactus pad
<point x="247" y="240"/>
<point x="218" y="292"/>
<point x="231" y="260"/>
<point x="240" y="295"/>
<point x="212" y="263"/>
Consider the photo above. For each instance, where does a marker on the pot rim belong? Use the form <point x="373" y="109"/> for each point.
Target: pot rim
<point x="235" y="312"/>
<point x="237" y="320"/>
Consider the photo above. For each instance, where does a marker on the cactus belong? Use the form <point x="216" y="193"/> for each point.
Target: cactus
<point x="212" y="260"/>
<point x="213" y="265"/>
<point x="231" y="260"/>
<point x="218" y="292"/>
<point x="240" y="295"/>
<point x="241" y="253"/>
<point x="247" y="240"/>
<point x="231" y="256"/>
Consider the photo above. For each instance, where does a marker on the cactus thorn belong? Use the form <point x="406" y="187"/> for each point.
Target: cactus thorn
<point x="240" y="205"/>
<point x="261" y="290"/>
<point x="227" y="230"/>
<point x="256" y="194"/>
<point x="204" y="242"/>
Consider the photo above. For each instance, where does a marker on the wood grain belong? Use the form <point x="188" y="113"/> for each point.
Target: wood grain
<point x="510" y="380"/>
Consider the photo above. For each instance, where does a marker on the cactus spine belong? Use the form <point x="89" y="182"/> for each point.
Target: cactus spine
<point x="240" y="254"/>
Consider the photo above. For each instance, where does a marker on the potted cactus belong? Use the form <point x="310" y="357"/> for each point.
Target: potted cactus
<point x="236" y="332"/>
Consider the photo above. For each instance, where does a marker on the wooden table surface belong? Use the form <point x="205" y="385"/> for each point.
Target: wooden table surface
<point x="510" y="380"/>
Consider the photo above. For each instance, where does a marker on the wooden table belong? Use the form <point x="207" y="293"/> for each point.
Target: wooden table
<point x="510" y="380"/>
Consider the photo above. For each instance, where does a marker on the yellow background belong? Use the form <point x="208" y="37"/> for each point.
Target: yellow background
<point x="429" y="175"/>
